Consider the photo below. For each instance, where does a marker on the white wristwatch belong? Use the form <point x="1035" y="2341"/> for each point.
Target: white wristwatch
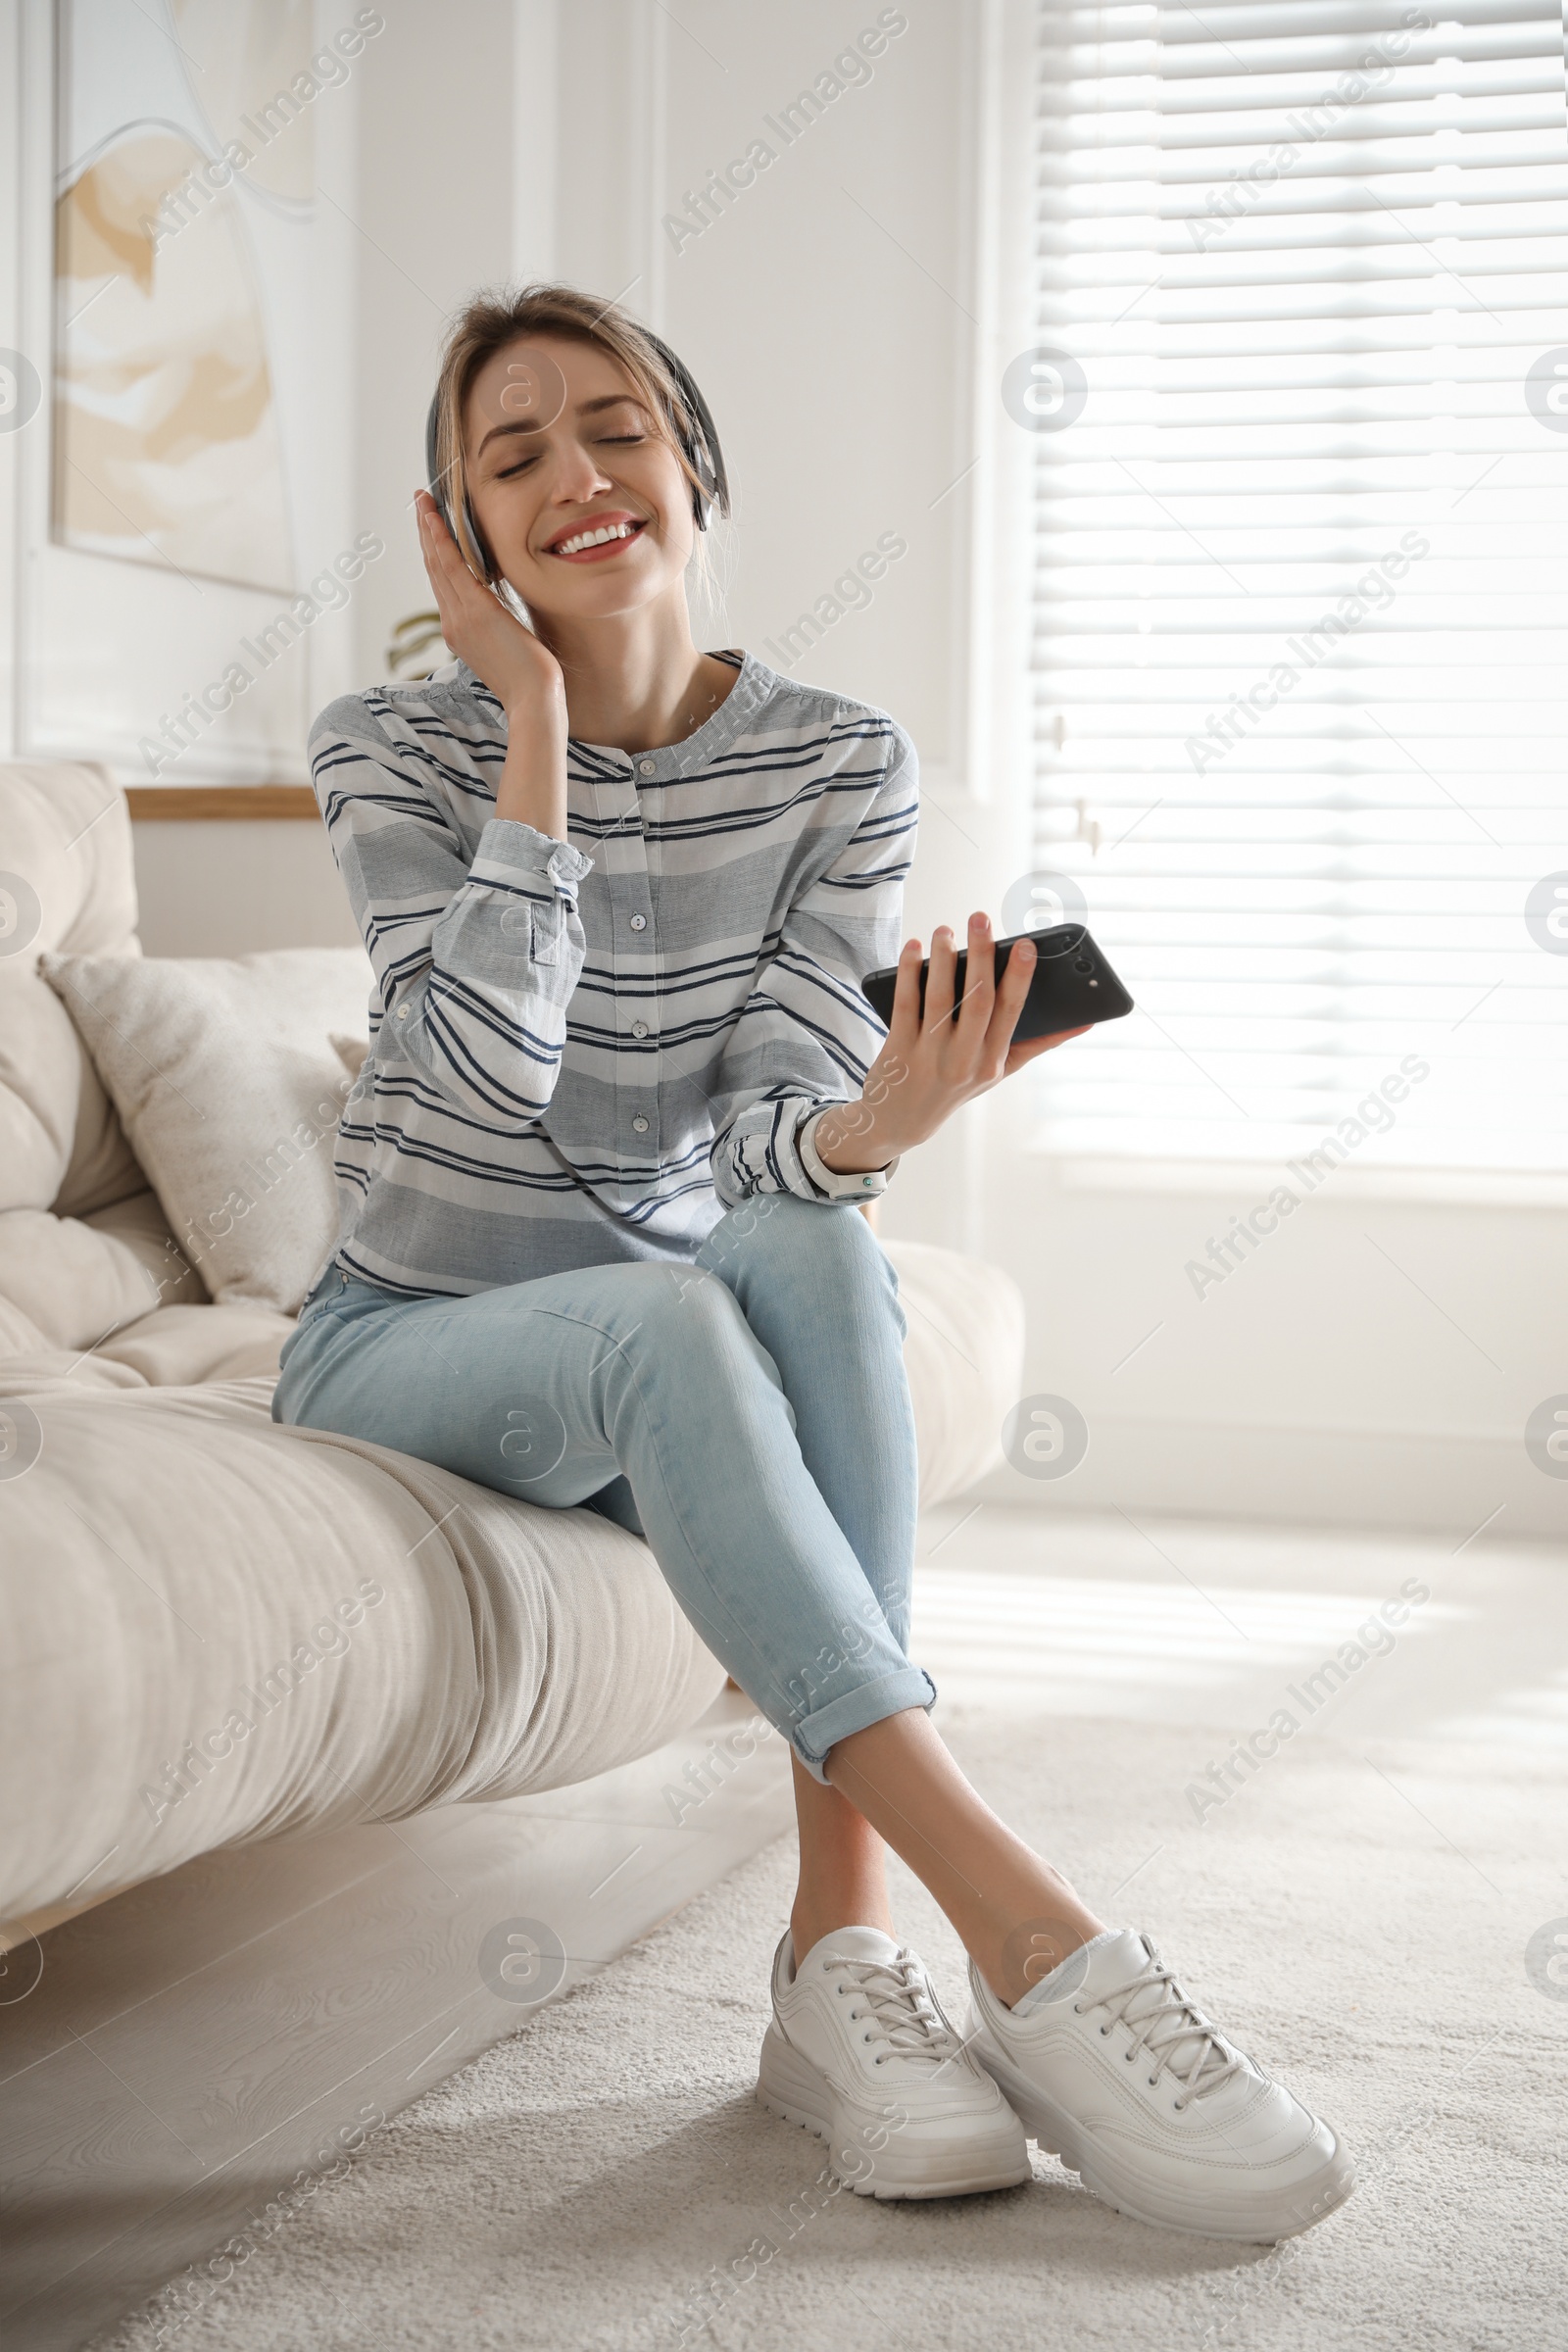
<point x="859" y="1185"/>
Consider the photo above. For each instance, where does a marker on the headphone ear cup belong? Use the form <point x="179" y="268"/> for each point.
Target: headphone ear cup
<point x="438" y="488"/>
<point x="702" y="498"/>
<point x="705" y="459"/>
<point x="440" y="491"/>
<point x="486" y="558"/>
<point x="698" y="437"/>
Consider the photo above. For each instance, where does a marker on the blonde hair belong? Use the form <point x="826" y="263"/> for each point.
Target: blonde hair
<point x="492" y="320"/>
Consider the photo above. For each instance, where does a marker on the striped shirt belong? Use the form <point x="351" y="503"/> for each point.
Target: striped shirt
<point x="586" y="1050"/>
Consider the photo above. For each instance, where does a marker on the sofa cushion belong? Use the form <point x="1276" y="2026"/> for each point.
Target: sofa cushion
<point x="180" y="1345"/>
<point x="175" y="1347"/>
<point x="192" y="1547"/>
<point x="229" y="1087"/>
<point x="66" y="882"/>
<point x="964" y="1347"/>
<point x="77" y="1279"/>
<point x="18" y="1332"/>
<point x="43" y="1371"/>
<point x="233" y="1630"/>
<point x="964" y="1351"/>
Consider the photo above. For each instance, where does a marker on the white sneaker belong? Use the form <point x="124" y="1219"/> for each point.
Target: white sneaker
<point x="1115" y="2070"/>
<point x="860" y="2053"/>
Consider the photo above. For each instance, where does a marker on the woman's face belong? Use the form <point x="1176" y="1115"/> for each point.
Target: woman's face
<point x="557" y="445"/>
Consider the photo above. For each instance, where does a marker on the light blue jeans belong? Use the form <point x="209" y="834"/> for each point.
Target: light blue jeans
<point x="748" y="1414"/>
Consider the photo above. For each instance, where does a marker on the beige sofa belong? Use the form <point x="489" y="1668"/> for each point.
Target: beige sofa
<point x="212" y="1630"/>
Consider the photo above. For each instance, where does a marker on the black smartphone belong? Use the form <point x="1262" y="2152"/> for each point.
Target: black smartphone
<point x="1073" y="984"/>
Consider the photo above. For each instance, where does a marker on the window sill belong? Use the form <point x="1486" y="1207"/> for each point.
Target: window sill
<point x="1466" y="1188"/>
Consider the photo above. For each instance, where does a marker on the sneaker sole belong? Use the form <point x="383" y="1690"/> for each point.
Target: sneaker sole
<point x="1055" y="2133"/>
<point x="791" y="2087"/>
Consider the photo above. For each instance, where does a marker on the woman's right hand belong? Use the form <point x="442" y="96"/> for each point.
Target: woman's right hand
<point x="519" y="669"/>
<point x="517" y="666"/>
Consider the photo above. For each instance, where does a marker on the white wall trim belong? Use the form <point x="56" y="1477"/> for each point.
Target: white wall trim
<point x="1451" y="1481"/>
<point x="12" y="337"/>
<point x="649" y="89"/>
<point x="36" y="101"/>
<point x="962" y="777"/>
<point x="1233" y="1180"/>
<point x="973" y="774"/>
<point x="535" y="115"/>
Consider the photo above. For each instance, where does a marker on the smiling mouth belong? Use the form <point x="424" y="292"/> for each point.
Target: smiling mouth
<point x="595" y="543"/>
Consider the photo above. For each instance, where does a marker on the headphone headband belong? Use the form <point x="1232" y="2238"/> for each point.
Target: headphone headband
<point x="693" y="429"/>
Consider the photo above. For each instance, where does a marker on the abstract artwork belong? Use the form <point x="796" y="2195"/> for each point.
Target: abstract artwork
<point x="183" y="206"/>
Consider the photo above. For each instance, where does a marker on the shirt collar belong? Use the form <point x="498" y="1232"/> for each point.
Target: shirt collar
<point x="752" y="686"/>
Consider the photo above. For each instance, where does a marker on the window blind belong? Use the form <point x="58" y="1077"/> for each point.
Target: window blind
<point x="1300" y="408"/>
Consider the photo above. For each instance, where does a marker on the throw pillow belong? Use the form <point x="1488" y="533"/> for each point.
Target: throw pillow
<point x="353" y="1053"/>
<point x="227" y="1084"/>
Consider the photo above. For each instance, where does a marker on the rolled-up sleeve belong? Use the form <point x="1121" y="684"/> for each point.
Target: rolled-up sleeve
<point x="807" y="1036"/>
<point x="474" y="963"/>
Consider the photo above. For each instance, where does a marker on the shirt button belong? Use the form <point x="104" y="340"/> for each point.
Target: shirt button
<point x="403" y="1012"/>
<point x="639" y="922"/>
<point x="639" y="1126"/>
<point x="639" y="1028"/>
<point x="645" y="767"/>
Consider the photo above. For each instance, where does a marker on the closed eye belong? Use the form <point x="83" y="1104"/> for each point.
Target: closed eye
<point x="506" y="474"/>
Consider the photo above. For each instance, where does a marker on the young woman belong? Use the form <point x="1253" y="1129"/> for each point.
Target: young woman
<point x="598" y="1242"/>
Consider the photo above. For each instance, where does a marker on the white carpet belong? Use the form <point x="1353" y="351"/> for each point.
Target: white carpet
<point x="573" y="2186"/>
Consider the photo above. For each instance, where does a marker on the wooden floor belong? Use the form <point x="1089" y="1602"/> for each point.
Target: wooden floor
<point x="194" y="2045"/>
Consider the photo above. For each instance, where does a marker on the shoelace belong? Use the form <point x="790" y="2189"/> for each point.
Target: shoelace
<point x="1161" y="2024"/>
<point x="896" y="1999"/>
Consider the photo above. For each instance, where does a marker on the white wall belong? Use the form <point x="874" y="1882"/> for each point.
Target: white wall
<point x="849" y="316"/>
<point x="232" y="887"/>
<point x="434" y="205"/>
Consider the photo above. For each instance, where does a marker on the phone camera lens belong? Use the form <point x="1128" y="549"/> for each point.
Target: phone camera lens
<point x="1082" y="964"/>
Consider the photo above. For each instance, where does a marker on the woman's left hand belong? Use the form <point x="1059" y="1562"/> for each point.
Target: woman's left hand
<point x="933" y="1063"/>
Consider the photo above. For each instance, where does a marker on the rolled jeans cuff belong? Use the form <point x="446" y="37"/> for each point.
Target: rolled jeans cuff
<point x="815" y="1735"/>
